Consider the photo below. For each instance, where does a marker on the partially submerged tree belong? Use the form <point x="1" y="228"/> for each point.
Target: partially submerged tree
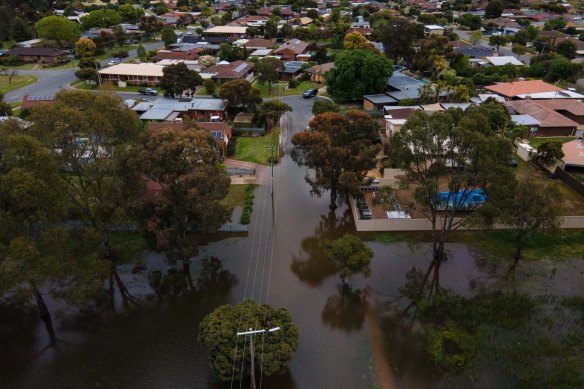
<point x="447" y="157"/>
<point x="523" y="209"/>
<point x="338" y="150"/>
<point x="350" y="255"/>
<point x="186" y="167"/>
<point x="271" y="111"/>
<point x="230" y="358"/>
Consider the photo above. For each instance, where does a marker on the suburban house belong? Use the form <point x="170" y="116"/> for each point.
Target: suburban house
<point x="573" y="154"/>
<point x="433" y="29"/>
<point x="236" y="70"/>
<point x="39" y="54"/>
<point x="34" y="102"/>
<point x="533" y="89"/>
<point x="220" y="131"/>
<point x="169" y="110"/>
<point x="177" y="55"/>
<point x="572" y="109"/>
<point x="290" y="71"/>
<point x="250" y="20"/>
<point x="134" y="74"/>
<point x="293" y="50"/>
<point x="227" y="31"/>
<point x="400" y="87"/>
<point x="317" y="72"/>
<point x="551" y="123"/>
<point x="395" y="117"/>
<point x="361" y="23"/>
<point x="254" y="44"/>
<point x="504" y="60"/>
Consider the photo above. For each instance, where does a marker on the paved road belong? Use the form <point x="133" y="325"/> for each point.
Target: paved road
<point x="51" y="81"/>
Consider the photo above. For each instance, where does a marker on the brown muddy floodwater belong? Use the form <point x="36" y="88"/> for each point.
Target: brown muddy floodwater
<point x="343" y="341"/>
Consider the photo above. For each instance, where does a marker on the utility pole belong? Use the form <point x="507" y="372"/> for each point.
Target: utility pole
<point x="251" y="333"/>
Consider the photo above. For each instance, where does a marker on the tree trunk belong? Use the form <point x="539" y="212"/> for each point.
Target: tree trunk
<point x="44" y="313"/>
<point x="127" y="298"/>
<point x="333" y="204"/>
<point x="187" y="272"/>
<point x="511" y="270"/>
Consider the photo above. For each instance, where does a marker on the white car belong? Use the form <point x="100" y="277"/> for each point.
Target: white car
<point x="112" y="62"/>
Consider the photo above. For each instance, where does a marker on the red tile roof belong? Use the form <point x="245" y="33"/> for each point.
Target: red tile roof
<point x="235" y="70"/>
<point x="180" y="55"/>
<point x="294" y="45"/>
<point x="574" y="107"/>
<point x="512" y="89"/>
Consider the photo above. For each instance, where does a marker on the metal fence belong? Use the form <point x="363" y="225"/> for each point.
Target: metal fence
<point x="233" y="228"/>
<point x="569" y="180"/>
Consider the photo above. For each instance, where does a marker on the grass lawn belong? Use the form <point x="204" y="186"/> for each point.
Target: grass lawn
<point x="534" y="142"/>
<point x="17" y="83"/>
<point x="279" y="89"/>
<point x="80" y="84"/>
<point x="567" y="244"/>
<point x="256" y="149"/>
<point x="235" y="197"/>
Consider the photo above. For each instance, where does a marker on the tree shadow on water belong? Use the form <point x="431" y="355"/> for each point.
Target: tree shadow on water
<point x="212" y="277"/>
<point x="345" y="310"/>
<point x="311" y="265"/>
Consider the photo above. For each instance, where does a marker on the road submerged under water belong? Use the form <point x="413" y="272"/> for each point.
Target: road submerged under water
<point x="346" y="339"/>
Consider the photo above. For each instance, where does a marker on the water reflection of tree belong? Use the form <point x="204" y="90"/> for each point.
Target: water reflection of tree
<point x="346" y="309"/>
<point x="212" y="276"/>
<point x="311" y="265"/>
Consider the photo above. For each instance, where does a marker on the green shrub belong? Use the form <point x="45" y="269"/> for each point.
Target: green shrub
<point x="248" y="204"/>
<point x="292" y="84"/>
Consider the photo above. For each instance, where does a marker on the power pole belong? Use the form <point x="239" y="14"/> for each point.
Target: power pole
<point x="251" y="333"/>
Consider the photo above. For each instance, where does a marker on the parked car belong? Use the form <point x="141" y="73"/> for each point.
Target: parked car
<point x="513" y="162"/>
<point x="148" y="91"/>
<point x="310" y="93"/>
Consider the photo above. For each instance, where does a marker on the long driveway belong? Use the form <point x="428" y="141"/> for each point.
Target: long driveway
<point x="51" y="81"/>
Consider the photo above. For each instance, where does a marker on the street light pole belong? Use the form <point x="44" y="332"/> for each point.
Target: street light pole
<point x="251" y="333"/>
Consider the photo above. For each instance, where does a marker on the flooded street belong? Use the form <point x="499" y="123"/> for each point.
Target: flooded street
<point x="344" y="338"/>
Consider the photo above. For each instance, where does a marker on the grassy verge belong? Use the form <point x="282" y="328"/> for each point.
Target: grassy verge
<point x="80" y="84"/>
<point x="279" y="89"/>
<point x="256" y="149"/>
<point x="248" y="204"/>
<point x="236" y="196"/>
<point x="17" y="83"/>
<point x="568" y="244"/>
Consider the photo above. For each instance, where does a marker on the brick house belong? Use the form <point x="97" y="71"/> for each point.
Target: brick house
<point x="39" y="54"/>
<point x="290" y="50"/>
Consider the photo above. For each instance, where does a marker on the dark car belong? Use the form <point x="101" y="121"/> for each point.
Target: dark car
<point x="148" y="91"/>
<point x="310" y="93"/>
<point x="513" y="162"/>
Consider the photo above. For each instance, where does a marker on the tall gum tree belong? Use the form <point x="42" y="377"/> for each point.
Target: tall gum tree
<point x="338" y="150"/>
<point x="185" y="167"/>
<point x="454" y="152"/>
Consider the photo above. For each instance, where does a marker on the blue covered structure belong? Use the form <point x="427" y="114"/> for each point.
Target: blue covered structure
<point x="470" y="201"/>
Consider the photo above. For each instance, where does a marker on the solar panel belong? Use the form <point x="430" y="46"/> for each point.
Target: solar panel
<point x="240" y="68"/>
<point x="40" y="98"/>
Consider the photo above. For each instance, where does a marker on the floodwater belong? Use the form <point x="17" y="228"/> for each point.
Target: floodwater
<point x="345" y="338"/>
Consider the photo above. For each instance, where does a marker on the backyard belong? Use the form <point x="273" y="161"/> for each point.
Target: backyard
<point x="256" y="149"/>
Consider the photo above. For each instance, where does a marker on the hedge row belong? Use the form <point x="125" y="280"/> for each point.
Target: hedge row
<point x="248" y="204"/>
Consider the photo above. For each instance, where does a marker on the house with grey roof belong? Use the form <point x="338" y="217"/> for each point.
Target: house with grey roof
<point x="169" y="110"/>
<point x="399" y="87"/>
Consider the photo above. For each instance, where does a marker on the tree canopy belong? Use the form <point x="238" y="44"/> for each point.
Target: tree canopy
<point x="357" y="73"/>
<point x="350" y="255"/>
<point x="268" y="70"/>
<point x="218" y="331"/>
<point x="185" y="164"/>
<point x="338" y="149"/>
<point x="178" y="78"/>
<point x="240" y="94"/>
<point x="100" y="18"/>
<point x="57" y="28"/>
